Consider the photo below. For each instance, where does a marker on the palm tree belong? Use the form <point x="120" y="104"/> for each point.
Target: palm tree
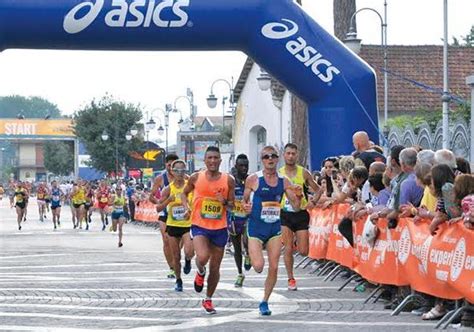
<point x="342" y="12"/>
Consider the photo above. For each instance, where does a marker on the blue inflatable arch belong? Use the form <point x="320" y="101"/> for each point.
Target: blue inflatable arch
<point x="340" y="89"/>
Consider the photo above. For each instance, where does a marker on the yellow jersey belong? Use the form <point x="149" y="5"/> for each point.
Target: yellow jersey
<point x="297" y="180"/>
<point x="176" y="209"/>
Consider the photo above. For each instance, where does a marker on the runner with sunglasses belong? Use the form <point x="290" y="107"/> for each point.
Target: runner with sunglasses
<point x="264" y="225"/>
<point x="213" y="193"/>
<point x="162" y="181"/>
<point x="296" y="224"/>
<point x="237" y="219"/>
<point x="177" y="225"/>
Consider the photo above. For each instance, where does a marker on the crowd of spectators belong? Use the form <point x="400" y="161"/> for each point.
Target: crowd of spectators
<point x="410" y="182"/>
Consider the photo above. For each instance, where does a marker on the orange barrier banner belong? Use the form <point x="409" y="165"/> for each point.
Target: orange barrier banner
<point x="320" y="227"/>
<point x="379" y="263"/>
<point x="146" y="212"/>
<point x="440" y="265"/>
<point x="339" y="250"/>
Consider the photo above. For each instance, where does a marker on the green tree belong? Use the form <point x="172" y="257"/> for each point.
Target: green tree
<point x="116" y="119"/>
<point x="29" y="107"/>
<point x="59" y="157"/>
<point x="469" y="38"/>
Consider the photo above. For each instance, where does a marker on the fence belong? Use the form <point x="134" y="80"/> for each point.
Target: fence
<point x="423" y="136"/>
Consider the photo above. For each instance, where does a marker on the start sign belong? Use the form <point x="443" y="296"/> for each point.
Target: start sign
<point x="13" y="128"/>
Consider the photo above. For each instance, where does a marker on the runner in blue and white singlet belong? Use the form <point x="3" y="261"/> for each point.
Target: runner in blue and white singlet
<point x="262" y="199"/>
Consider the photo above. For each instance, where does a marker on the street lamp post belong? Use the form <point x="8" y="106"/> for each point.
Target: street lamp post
<point x="166" y="112"/>
<point x="212" y="99"/>
<point x="128" y="136"/>
<point x="354" y="44"/>
<point x="188" y="147"/>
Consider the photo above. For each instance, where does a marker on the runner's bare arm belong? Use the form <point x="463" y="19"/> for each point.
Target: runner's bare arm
<point x="231" y="194"/>
<point x="164" y="200"/>
<point x="251" y="185"/>
<point x="317" y="189"/>
<point x="156" y="186"/>
<point x="187" y="190"/>
<point x="293" y="196"/>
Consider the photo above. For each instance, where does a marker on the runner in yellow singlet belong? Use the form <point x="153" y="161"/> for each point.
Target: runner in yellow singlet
<point x="78" y="198"/>
<point x="177" y="226"/>
<point x="118" y="213"/>
<point x="296" y="224"/>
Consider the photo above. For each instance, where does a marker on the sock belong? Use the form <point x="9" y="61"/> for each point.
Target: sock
<point x="208" y="298"/>
<point x="203" y="272"/>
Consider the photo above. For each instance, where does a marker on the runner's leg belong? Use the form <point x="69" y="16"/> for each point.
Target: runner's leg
<point x="237" y="243"/>
<point x="214" y="269"/>
<point x="273" y="251"/>
<point x="166" y="245"/>
<point x="176" y="254"/>
<point x="288" y="240"/>
<point x="256" y="255"/>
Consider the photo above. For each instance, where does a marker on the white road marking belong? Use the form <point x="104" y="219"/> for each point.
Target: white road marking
<point x="76" y="317"/>
<point x="82" y="307"/>
<point x="323" y="323"/>
<point x="134" y="289"/>
<point x="29" y="256"/>
<point x="66" y="265"/>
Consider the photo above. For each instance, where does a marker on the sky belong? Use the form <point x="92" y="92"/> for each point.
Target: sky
<point x="71" y="79"/>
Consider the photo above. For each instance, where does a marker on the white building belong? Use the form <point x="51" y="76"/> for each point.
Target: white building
<point x="262" y="117"/>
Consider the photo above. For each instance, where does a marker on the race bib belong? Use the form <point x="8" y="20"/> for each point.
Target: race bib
<point x="56" y="198"/>
<point x="270" y="212"/>
<point x="238" y="210"/>
<point x="118" y="210"/>
<point x="178" y="212"/>
<point x="211" y="209"/>
<point x="104" y="199"/>
<point x="40" y="196"/>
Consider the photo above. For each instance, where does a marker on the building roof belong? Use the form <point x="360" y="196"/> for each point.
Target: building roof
<point x="409" y="65"/>
<point x="415" y="77"/>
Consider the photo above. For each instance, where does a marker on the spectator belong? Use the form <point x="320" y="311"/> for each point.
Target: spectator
<point x="463" y="165"/>
<point x="464" y="193"/>
<point x="328" y="167"/>
<point x="445" y="157"/>
<point x="410" y="191"/>
<point x="376" y="167"/>
<point x="378" y="189"/>
<point x="364" y="151"/>
<point x="442" y="186"/>
<point x="427" y="207"/>
<point x="426" y="157"/>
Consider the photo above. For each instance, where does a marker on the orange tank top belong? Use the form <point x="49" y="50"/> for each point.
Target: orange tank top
<point x="208" y="212"/>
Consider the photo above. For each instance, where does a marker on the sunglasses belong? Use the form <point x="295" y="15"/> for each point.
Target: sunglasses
<point x="178" y="170"/>
<point x="270" y="155"/>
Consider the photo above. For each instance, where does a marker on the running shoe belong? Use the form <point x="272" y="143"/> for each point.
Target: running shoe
<point x="19" y="228"/>
<point x="207" y="305"/>
<point x="187" y="266"/>
<point x="120" y="245"/>
<point x="240" y="281"/>
<point x="292" y="284"/>
<point x="264" y="310"/>
<point x="199" y="281"/>
<point x="59" y="223"/>
<point x="179" y="285"/>
<point x="106" y="220"/>
<point x="171" y="274"/>
<point x="103" y="227"/>
<point x="87" y="226"/>
<point x="247" y="263"/>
